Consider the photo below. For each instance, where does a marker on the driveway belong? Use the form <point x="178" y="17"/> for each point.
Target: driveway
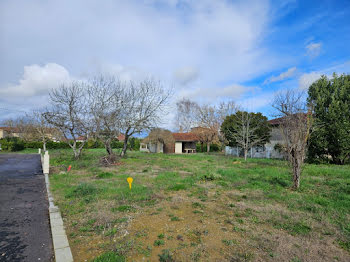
<point x="24" y="220"/>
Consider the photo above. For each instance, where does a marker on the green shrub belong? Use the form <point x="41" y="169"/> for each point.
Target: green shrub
<point x="12" y="144"/>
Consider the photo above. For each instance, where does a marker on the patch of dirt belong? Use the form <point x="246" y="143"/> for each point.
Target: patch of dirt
<point x="213" y="231"/>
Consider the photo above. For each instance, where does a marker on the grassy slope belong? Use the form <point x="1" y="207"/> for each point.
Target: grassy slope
<point x="255" y="212"/>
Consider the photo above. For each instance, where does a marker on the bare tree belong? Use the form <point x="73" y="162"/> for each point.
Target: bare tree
<point x="209" y="124"/>
<point x="41" y="128"/>
<point x="68" y="113"/>
<point x="204" y="120"/>
<point x="20" y="126"/>
<point x="295" y="124"/>
<point x="246" y="130"/>
<point x="104" y="101"/>
<point x="142" y="107"/>
<point x="186" y="115"/>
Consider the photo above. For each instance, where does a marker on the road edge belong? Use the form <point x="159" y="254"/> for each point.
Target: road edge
<point x="59" y="238"/>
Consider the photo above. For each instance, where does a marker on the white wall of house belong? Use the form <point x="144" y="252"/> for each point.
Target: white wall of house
<point x="178" y="147"/>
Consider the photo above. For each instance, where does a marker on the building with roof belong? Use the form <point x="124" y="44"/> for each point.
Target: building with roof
<point x="164" y="141"/>
<point x="269" y="150"/>
<point x="6" y="131"/>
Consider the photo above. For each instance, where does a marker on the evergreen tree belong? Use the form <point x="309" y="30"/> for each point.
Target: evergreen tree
<point x="330" y="101"/>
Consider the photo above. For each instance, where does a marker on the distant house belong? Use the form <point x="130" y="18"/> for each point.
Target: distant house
<point x="6" y="131"/>
<point x="164" y="141"/>
<point x="121" y="137"/>
<point x="269" y="150"/>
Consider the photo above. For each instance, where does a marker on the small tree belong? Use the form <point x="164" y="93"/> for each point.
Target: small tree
<point x="295" y="124"/>
<point x="246" y="130"/>
<point x="142" y="107"/>
<point x="68" y="113"/>
<point x="41" y="129"/>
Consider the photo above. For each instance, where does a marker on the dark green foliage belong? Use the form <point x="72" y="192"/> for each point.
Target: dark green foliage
<point x="330" y="101"/>
<point x="12" y="144"/>
<point x="109" y="257"/>
<point x="158" y="242"/>
<point x="232" y="125"/>
<point x="202" y="148"/>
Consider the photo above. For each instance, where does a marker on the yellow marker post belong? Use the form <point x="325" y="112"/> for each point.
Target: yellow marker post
<point x="129" y="179"/>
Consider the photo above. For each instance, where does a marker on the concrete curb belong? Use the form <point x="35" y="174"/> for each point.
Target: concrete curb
<point x="59" y="237"/>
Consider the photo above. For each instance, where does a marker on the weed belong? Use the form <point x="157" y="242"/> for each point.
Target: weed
<point x="109" y="257"/>
<point x="111" y="232"/>
<point x="229" y="242"/>
<point x="161" y="236"/>
<point x="159" y="242"/>
<point x="105" y="175"/>
<point x="166" y="256"/>
<point x="82" y="190"/>
<point x="123" y="209"/>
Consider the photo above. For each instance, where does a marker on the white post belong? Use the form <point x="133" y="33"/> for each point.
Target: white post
<point x="46" y="166"/>
<point x="39" y="151"/>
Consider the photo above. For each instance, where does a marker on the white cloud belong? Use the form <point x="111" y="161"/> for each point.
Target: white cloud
<point x="186" y="75"/>
<point x="234" y="91"/>
<point x="36" y="80"/>
<point x="284" y="75"/>
<point x="313" y="49"/>
<point x="307" y="79"/>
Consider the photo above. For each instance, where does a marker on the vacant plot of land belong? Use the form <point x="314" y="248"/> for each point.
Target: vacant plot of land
<point x="201" y="208"/>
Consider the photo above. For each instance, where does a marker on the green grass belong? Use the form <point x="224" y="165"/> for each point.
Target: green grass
<point x="109" y="257"/>
<point x="324" y="194"/>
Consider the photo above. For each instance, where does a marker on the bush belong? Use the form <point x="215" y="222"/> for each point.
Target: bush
<point x="12" y="144"/>
<point x="213" y="148"/>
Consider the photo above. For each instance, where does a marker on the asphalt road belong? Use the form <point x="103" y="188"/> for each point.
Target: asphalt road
<point x="24" y="219"/>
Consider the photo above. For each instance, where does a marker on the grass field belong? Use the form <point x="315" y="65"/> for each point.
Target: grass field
<point x="201" y="208"/>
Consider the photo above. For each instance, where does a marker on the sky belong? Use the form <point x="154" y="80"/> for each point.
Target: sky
<point x="208" y="51"/>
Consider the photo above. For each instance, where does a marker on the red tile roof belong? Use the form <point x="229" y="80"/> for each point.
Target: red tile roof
<point x="121" y="137"/>
<point x="185" y="137"/>
<point x="9" y="129"/>
<point x="275" y="121"/>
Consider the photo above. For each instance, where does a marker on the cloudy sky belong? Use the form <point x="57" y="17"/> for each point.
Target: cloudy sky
<point x="207" y="50"/>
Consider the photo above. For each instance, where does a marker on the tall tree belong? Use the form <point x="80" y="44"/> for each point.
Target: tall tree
<point x="142" y="108"/>
<point x="246" y="130"/>
<point x="104" y="104"/>
<point x="295" y="124"/>
<point x="68" y="113"/>
<point x="330" y="103"/>
<point x="186" y="115"/>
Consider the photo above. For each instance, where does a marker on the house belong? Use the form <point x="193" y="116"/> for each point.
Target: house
<point x="164" y="141"/>
<point x="269" y="150"/>
<point x="6" y="131"/>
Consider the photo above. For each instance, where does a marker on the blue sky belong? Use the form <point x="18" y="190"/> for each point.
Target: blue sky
<point x="206" y="50"/>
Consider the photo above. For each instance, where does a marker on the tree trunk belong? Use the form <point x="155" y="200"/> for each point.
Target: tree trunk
<point x="125" y="146"/>
<point x="202" y="147"/>
<point x="296" y="175"/>
<point x="44" y="145"/>
<point x="208" y="147"/>
<point x="108" y="147"/>
<point x="245" y="154"/>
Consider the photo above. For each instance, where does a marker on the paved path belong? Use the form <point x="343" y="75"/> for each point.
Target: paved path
<point x="24" y="222"/>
